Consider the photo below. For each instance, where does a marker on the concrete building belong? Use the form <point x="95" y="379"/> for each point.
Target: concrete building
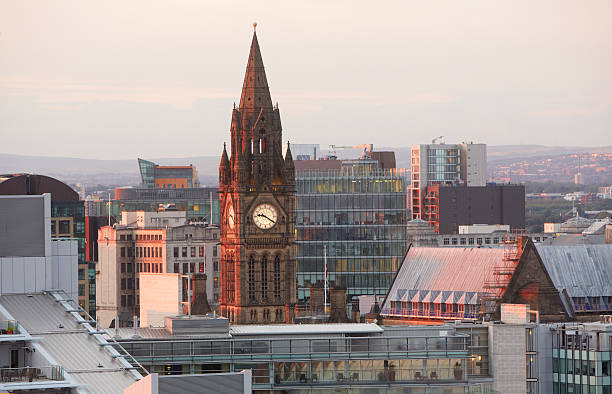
<point x="484" y="229"/>
<point x="447" y="207"/>
<point x="167" y="177"/>
<point x="126" y="251"/>
<point x="445" y="164"/>
<point x="30" y="260"/>
<point x="67" y="222"/>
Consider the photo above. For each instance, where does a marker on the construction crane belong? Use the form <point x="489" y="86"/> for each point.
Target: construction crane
<point x="437" y="139"/>
<point x="365" y="154"/>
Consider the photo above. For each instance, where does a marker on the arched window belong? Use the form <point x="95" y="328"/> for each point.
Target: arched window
<point x="251" y="279"/>
<point x="277" y="275"/>
<point x="264" y="277"/>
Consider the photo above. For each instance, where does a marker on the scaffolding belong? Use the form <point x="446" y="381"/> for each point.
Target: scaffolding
<point x="500" y="274"/>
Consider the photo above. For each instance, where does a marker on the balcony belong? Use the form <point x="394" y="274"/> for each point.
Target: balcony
<point x="9" y="327"/>
<point x="31" y="374"/>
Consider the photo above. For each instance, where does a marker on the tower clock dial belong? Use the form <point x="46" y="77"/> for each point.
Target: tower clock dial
<point x="264" y="216"/>
<point x="231" y="218"/>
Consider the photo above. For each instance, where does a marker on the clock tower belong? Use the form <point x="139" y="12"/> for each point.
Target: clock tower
<point x="257" y="204"/>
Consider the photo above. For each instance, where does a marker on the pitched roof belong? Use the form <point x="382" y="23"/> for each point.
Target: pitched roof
<point x="69" y="343"/>
<point x="458" y="273"/>
<point x="582" y="270"/>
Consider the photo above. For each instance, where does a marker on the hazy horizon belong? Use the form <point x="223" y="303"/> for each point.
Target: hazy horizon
<point x="117" y="80"/>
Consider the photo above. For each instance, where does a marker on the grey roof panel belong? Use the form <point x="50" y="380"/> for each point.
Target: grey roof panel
<point x="583" y="270"/>
<point x="71" y="346"/>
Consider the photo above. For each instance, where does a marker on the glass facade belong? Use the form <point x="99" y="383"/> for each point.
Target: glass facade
<point x="581" y="361"/>
<point x="195" y="201"/>
<point x="373" y="364"/>
<point x="147" y="173"/>
<point x="359" y="214"/>
<point x="443" y="165"/>
<point x="68" y="221"/>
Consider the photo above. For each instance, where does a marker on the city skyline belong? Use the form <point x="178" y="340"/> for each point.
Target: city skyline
<point x="509" y="74"/>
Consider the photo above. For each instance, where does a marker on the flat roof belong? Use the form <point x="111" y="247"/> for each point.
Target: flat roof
<point x="304" y="329"/>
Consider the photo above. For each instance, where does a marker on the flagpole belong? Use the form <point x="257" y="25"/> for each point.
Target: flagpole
<point x="325" y="291"/>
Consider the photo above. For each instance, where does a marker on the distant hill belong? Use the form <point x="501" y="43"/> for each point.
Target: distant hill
<point x="126" y="172"/>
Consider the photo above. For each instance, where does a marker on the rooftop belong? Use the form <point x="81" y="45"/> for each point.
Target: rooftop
<point x="70" y="341"/>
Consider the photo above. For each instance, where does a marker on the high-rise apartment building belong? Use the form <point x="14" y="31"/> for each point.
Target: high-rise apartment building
<point x="352" y="215"/>
<point x="167" y="177"/>
<point x="445" y="164"/>
<point x="124" y="251"/>
<point x="257" y="199"/>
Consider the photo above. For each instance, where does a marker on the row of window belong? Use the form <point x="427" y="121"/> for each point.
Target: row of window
<point x="278" y="315"/>
<point x="378" y="201"/>
<point x="353" y="233"/>
<point x="258" y="286"/>
<point x="140" y="237"/>
<point x="142" y="251"/>
<point x="192" y="250"/>
<point x="349" y="185"/>
<point x="349" y="249"/>
<point x="188" y="267"/>
<point x="360" y="218"/>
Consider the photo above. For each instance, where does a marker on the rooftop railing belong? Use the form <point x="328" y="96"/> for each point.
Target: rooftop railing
<point x="31" y="374"/>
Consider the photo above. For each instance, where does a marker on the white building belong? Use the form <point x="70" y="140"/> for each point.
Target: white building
<point x="484" y="229"/>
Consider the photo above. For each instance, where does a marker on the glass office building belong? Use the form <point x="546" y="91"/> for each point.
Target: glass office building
<point x="197" y="202"/>
<point x="354" y="217"/>
<point x="323" y="358"/>
<point x="582" y="358"/>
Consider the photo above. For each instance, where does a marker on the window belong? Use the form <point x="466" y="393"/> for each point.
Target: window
<point x="184" y="251"/>
<point x="191" y="267"/>
<point x="185" y="268"/>
<point x="277" y="277"/>
<point x="129" y="267"/>
<point x="122" y="268"/>
<point x="81" y="290"/>
<point x="122" y="252"/>
<point x="215" y="282"/>
<point x="130" y="251"/>
<point x="123" y="300"/>
<point x="176" y="254"/>
<point x="251" y="273"/>
<point x="216" y="266"/>
<point x="176" y="267"/>
<point x="81" y="274"/>
<point x="201" y="251"/>
<point x="193" y="251"/>
<point x="122" y="283"/>
<point x="462" y="241"/>
<point x="454" y="240"/>
<point x="446" y="241"/>
<point x="156" y="250"/>
<point x="201" y="267"/>
<point x="471" y="241"/>
<point x="130" y="300"/>
<point x="214" y="251"/>
<point x="130" y="284"/>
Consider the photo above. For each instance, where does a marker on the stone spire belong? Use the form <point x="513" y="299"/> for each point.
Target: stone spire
<point x="255" y="91"/>
<point x="224" y="168"/>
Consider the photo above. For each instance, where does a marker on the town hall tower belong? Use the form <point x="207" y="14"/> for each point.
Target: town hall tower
<point x="257" y="204"/>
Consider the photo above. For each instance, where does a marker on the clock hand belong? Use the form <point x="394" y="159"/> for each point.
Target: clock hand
<point x="261" y="214"/>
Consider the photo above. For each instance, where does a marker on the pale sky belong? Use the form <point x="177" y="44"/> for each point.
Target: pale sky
<point x="126" y="79"/>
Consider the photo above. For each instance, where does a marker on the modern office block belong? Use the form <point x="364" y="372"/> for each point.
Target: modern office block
<point x="354" y="218"/>
<point x="167" y="177"/>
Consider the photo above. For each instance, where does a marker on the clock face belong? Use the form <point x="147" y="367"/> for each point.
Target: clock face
<point x="265" y="216"/>
<point x="231" y="218"/>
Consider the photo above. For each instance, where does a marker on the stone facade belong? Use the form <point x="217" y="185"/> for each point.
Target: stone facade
<point x="507" y="358"/>
<point x="531" y="284"/>
<point x="257" y="205"/>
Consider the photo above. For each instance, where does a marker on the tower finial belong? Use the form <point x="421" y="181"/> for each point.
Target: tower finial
<point x="254" y="26"/>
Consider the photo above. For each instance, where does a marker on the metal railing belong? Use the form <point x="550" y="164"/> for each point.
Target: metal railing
<point x="31" y="374"/>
